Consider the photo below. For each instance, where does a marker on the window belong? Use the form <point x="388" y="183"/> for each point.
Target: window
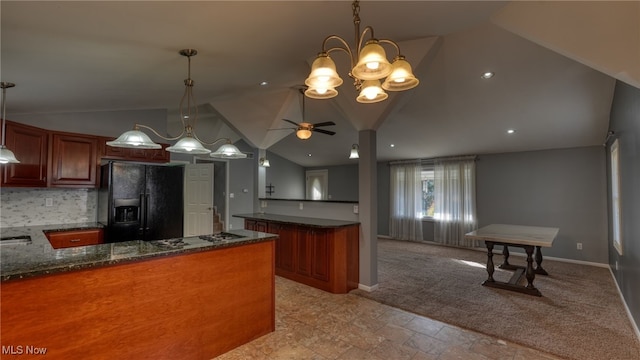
<point x="615" y="196"/>
<point x="428" y="198"/>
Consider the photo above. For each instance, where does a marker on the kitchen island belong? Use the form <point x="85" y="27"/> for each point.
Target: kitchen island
<point x="322" y="253"/>
<point x="187" y="298"/>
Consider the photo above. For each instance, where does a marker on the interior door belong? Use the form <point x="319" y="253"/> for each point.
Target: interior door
<point x="198" y="200"/>
<point x="316" y="184"/>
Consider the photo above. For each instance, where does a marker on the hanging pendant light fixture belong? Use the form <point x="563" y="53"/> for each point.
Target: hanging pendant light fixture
<point x="188" y="142"/>
<point x="369" y="65"/>
<point x="6" y="156"/>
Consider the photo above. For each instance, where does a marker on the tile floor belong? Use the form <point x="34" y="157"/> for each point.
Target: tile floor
<point x="313" y="324"/>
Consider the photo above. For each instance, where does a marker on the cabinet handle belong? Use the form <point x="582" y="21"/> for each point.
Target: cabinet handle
<point x="74" y="240"/>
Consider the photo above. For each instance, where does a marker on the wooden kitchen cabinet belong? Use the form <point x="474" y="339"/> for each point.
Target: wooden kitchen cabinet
<point x="285" y="245"/>
<point x="74" y="160"/>
<point x="30" y="145"/>
<point x="323" y="257"/>
<point x="66" y="239"/>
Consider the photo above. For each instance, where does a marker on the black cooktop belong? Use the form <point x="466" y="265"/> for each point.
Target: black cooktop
<point x="220" y="236"/>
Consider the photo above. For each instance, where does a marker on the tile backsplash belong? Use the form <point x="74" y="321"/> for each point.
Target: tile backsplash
<point x="27" y="207"/>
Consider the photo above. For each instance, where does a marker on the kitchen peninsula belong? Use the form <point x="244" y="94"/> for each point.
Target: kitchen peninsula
<point x="186" y="298"/>
<point x="322" y="253"/>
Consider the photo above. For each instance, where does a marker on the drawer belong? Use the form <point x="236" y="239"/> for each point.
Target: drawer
<point x="65" y="239"/>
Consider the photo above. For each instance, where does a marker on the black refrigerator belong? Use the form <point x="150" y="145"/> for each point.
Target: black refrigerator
<point x="141" y="201"/>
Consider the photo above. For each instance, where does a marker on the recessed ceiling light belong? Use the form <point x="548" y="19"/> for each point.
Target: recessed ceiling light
<point x="487" y="75"/>
<point x="392" y="145"/>
<point x="309" y="154"/>
<point x="264" y="83"/>
<point x="510" y="131"/>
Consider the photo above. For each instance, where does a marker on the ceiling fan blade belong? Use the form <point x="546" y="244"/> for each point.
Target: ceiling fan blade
<point x="326" y="123"/>
<point x="324" y="131"/>
<point x="291" y="122"/>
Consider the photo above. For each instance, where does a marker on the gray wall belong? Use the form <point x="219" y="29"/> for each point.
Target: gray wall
<point x="564" y="188"/>
<point x="287" y="178"/>
<point x="343" y="181"/>
<point x="243" y="180"/>
<point x="625" y="121"/>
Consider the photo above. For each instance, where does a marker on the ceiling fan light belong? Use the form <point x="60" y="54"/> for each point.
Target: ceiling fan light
<point x="372" y="62"/>
<point x="401" y="77"/>
<point x="134" y="139"/>
<point x="303" y="133"/>
<point x="188" y="145"/>
<point x="228" y="151"/>
<point x="323" y="73"/>
<point x="371" y="92"/>
<point x="7" y="156"/>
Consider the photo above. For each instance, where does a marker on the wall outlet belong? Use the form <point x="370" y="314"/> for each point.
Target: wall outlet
<point x="579" y="246"/>
<point x="231" y="195"/>
<point x="355" y="209"/>
<point x="230" y="226"/>
<point x="301" y="205"/>
<point x="263" y="204"/>
<point x="48" y="202"/>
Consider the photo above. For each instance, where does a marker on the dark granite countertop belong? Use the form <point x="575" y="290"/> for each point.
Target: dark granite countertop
<point x="37" y="258"/>
<point x="298" y="220"/>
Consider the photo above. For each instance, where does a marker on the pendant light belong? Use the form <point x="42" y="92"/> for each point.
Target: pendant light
<point x="369" y="65"/>
<point x="6" y="156"/>
<point x="188" y="142"/>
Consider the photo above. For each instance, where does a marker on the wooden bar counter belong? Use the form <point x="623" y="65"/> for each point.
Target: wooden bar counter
<point x="196" y="302"/>
<point x="322" y="253"/>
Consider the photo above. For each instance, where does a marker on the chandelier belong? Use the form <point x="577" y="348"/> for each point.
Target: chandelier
<point x="189" y="142"/>
<point x="6" y="155"/>
<point x="369" y="65"/>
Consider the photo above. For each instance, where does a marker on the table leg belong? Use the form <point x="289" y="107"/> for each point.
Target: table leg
<point x="505" y="262"/>
<point x="530" y="273"/>
<point x="490" y="267"/>
<point x="539" y="269"/>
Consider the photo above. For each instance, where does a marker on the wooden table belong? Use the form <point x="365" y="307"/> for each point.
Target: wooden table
<point x="526" y="237"/>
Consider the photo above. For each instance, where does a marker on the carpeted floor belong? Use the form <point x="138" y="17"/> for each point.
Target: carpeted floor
<point x="579" y="316"/>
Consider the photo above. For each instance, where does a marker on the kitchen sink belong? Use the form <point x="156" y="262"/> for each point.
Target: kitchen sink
<point x="15" y="240"/>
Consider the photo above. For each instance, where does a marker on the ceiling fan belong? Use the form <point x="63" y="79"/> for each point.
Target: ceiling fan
<point x="303" y="129"/>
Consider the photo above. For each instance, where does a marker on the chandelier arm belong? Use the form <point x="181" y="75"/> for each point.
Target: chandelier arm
<point x="360" y="39"/>
<point x="346" y="47"/>
<point x="395" y="45"/>
<point x="138" y="126"/>
<point x="211" y="143"/>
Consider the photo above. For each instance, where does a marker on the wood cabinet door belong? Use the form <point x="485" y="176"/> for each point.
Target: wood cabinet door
<point x="74" y="160"/>
<point x="320" y="254"/>
<point x="30" y="145"/>
<point x="285" y="245"/>
<point x="304" y="247"/>
<point x="262" y="226"/>
<point x="250" y="225"/>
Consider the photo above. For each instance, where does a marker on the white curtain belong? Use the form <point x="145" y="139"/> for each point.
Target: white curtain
<point x="406" y="201"/>
<point x="455" y="200"/>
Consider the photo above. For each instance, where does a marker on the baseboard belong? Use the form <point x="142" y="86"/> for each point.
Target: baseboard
<point x="368" y="288"/>
<point x="626" y="308"/>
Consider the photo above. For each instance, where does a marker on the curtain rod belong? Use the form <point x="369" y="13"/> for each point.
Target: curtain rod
<point x="430" y="161"/>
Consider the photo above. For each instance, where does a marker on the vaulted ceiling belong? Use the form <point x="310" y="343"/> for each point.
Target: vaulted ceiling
<point x="555" y="66"/>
